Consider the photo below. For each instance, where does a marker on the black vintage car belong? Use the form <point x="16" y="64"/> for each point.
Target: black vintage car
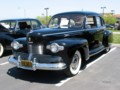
<point x="71" y="39"/>
<point x="15" y="28"/>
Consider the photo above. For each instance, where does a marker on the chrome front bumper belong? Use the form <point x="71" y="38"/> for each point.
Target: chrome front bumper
<point x="38" y="66"/>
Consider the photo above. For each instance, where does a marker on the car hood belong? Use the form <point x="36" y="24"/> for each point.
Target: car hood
<point x="49" y="32"/>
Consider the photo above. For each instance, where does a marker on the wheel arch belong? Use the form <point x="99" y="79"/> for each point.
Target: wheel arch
<point x="5" y="42"/>
<point x="2" y="42"/>
<point x="83" y="49"/>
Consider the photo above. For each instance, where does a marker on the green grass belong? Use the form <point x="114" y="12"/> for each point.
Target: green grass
<point x="115" y="30"/>
<point x="116" y="38"/>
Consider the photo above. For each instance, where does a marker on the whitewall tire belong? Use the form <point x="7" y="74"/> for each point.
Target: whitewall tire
<point x="75" y="64"/>
<point x="1" y="50"/>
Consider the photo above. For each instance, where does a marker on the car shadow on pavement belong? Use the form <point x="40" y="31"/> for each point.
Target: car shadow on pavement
<point x="43" y="76"/>
<point x="7" y="53"/>
<point x="39" y="76"/>
<point x="93" y="58"/>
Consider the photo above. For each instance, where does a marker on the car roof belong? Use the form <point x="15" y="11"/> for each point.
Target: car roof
<point x="86" y="13"/>
<point x="18" y="19"/>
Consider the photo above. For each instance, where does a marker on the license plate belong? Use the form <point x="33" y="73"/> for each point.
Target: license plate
<point x="26" y="63"/>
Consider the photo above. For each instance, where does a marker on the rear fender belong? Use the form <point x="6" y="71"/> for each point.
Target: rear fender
<point x="107" y="38"/>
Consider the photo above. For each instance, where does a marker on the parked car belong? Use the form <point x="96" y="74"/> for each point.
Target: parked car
<point x="15" y="28"/>
<point x="71" y="39"/>
<point x="108" y="26"/>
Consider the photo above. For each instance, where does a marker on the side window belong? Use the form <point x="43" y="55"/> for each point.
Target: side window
<point x="24" y="25"/>
<point x="35" y="25"/>
<point x="91" y="22"/>
<point x="99" y="21"/>
<point x="12" y="25"/>
<point x="102" y="21"/>
<point x="9" y="24"/>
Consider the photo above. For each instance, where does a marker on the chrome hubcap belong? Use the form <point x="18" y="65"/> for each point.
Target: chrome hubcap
<point x="75" y="62"/>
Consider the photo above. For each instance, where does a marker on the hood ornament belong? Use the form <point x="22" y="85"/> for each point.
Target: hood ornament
<point x="39" y="33"/>
<point x="29" y="39"/>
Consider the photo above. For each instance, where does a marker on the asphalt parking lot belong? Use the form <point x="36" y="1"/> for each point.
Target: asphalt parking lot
<point x="102" y="73"/>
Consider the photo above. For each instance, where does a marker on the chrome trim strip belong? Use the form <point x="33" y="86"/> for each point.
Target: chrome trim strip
<point x="97" y="52"/>
<point x="67" y="32"/>
<point x="38" y="66"/>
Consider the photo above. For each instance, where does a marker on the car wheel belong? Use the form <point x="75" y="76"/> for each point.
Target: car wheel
<point x="1" y="50"/>
<point x="75" y="64"/>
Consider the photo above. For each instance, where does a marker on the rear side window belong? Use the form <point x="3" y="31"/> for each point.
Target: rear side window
<point x="91" y="22"/>
<point x="35" y="25"/>
<point x="99" y="21"/>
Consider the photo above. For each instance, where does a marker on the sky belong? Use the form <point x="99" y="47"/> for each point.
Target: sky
<point x="33" y="8"/>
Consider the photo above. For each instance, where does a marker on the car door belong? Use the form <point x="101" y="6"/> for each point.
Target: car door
<point x="11" y="26"/>
<point x="93" y="32"/>
<point x="101" y="28"/>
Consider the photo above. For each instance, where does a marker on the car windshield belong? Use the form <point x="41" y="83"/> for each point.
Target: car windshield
<point x="66" y="21"/>
<point x="8" y="24"/>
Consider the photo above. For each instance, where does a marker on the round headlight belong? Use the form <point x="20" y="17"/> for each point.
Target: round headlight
<point x="15" y="45"/>
<point x="54" y="47"/>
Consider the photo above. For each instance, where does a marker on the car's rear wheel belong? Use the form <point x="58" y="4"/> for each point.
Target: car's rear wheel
<point x="75" y="64"/>
<point x="107" y="48"/>
<point x="1" y="50"/>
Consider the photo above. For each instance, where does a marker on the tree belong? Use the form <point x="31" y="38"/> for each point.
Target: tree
<point x="110" y="18"/>
<point x="42" y="19"/>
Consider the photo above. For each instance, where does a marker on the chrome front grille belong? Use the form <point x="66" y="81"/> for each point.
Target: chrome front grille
<point x="36" y="49"/>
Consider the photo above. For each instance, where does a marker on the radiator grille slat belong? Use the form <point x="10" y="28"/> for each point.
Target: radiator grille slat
<point x="36" y="49"/>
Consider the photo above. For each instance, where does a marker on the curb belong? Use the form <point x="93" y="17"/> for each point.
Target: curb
<point x="116" y="45"/>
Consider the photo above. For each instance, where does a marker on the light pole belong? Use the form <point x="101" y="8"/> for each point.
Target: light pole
<point x="112" y="12"/>
<point x="24" y="11"/>
<point x="103" y="10"/>
<point x="46" y="9"/>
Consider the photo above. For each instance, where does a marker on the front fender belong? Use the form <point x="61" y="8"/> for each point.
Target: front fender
<point x="6" y="41"/>
<point x="71" y="45"/>
<point x="22" y="41"/>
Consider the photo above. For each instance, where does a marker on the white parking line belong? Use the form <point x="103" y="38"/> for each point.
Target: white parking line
<point x="88" y="65"/>
<point x="4" y="63"/>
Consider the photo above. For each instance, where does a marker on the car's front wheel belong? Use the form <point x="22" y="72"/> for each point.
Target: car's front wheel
<point x="1" y="50"/>
<point x="75" y="64"/>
